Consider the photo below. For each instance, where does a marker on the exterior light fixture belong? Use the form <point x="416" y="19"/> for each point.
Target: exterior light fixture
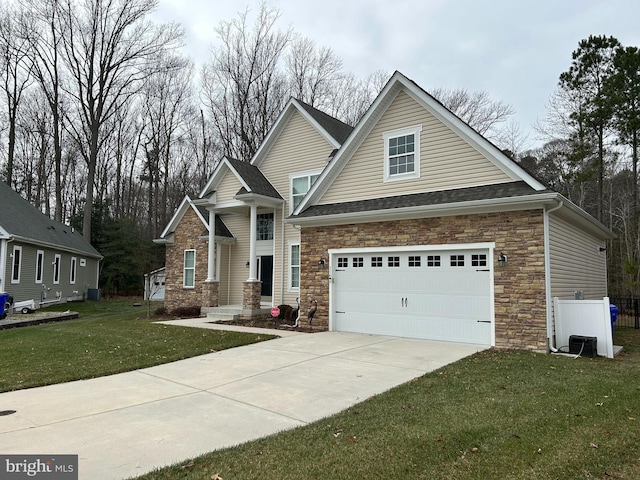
<point x="248" y="264"/>
<point x="321" y="263"/>
<point x="502" y="259"/>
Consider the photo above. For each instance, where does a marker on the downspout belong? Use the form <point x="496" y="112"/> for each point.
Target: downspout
<point x="282" y="257"/>
<point x="547" y="276"/>
<point x="3" y="261"/>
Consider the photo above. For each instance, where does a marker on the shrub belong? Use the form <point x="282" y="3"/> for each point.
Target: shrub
<point x="186" y="312"/>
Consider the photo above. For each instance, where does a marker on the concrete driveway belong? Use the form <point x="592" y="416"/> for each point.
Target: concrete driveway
<point x="128" y="424"/>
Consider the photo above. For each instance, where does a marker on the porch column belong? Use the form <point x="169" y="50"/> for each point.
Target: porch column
<point x="211" y="261"/>
<point x="253" y="261"/>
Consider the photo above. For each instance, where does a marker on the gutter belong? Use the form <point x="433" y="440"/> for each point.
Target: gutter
<point x="56" y="247"/>
<point x="472" y="206"/>
<point x="547" y="276"/>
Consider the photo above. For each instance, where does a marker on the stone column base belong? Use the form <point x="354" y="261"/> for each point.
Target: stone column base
<point x="251" y="295"/>
<point x="210" y="293"/>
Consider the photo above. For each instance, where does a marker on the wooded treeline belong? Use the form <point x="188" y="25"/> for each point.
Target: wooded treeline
<point x="106" y="123"/>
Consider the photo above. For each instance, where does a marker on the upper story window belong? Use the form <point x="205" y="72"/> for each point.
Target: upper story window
<point x="402" y="154"/>
<point x="300" y="185"/>
<point x="265" y="226"/>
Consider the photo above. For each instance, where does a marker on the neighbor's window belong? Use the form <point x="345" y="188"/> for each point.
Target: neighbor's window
<point x="15" y="266"/>
<point x="294" y="265"/>
<point x="265" y="226"/>
<point x="300" y="186"/>
<point x="72" y="273"/>
<point x="39" y="266"/>
<point x="402" y="153"/>
<point x="189" y="279"/>
<point x="56" y="269"/>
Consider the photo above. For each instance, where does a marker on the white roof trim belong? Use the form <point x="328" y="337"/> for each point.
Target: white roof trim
<point x="278" y="127"/>
<point x="177" y="216"/>
<point x="397" y="83"/>
<point x="218" y="175"/>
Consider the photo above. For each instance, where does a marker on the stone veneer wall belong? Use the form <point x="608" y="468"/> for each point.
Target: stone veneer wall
<point x="186" y="237"/>
<point x="519" y="287"/>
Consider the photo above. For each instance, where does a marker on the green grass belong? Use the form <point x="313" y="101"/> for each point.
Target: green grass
<point x="108" y="337"/>
<point x="495" y="415"/>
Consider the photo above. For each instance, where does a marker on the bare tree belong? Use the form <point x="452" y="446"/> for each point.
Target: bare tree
<point x="478" y="109"/>
<point x="244" y="88"/>
<point x="111" y="48"/>
<point x="313" y="72"/>
<point x="45" y="35"/>
<point x="16" y="75"/>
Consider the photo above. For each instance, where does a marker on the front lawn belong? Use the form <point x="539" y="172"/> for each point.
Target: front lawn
<point x="495" y="415"/>
<point x="108" y="337"/>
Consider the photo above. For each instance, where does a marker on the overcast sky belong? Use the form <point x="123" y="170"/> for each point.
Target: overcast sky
<point x="513" y="49"/>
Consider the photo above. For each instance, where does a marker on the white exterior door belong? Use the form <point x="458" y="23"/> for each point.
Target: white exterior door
<point x="441" y="294"/>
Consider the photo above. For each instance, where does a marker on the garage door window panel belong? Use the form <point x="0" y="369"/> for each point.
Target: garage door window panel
<point x="457" y="260"/>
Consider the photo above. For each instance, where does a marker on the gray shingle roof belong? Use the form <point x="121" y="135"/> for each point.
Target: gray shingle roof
<point x="254" y="178"/>
<point x="334" y="127"/>
<point x="19" y="218"/>
<point x="502" y="190"/>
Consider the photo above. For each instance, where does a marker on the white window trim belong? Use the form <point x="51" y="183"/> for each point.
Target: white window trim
<point x="291" y="266"/>
<point x="415" y="130"/>
<point x="56" y="268"/>
<point x="39" y="266"/>
<point x="184" y="268"/>
<point x="15" y="279"/>
<point x="292" y="176"/>
<point x="73" y="271"/>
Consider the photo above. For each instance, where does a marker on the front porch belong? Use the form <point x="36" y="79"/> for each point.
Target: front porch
<point x="230" y="313"/>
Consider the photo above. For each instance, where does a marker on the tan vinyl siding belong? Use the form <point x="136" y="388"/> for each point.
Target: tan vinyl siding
<point x="228" y="188"/>
<point x="447" y="161"/>
<point x="300" y="148"/>
<point x="236" y="273"/>
<point x="576" y="264"/>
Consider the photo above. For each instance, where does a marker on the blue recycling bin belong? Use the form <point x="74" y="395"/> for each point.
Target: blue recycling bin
<point x="613" y="312"/>
<point x="3" y="301"/>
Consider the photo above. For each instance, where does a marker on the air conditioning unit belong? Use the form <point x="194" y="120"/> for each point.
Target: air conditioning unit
<point x="583" y="346"/>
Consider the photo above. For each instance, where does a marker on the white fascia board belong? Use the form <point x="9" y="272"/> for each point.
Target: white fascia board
<point x="4" y="234"/>
<point x="177" y="216"/>
<point x="584" y="219"/>
<point x="427" y="211"/>
<point x="217" y="175"/>
<point x="489" y="150"/>
<point x="54" y="246"/>
<point x="260" y="200"/>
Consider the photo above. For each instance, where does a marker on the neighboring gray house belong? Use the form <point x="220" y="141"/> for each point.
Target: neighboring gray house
<point x="41" y="259"/>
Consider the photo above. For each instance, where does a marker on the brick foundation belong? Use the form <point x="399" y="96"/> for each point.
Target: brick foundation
<point x="519" y="287"/>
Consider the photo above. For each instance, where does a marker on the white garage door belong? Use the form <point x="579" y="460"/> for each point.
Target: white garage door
<point x="438" y="295"/>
